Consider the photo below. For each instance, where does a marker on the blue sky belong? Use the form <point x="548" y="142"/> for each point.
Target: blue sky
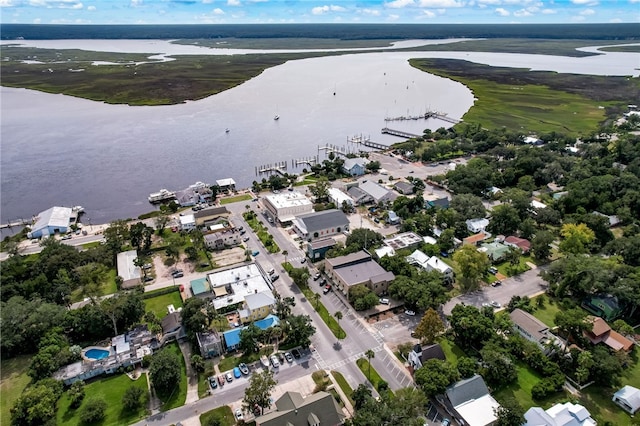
<point x="317" y="11"/>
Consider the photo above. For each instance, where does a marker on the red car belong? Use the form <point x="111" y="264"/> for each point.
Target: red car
<point x="221" y="380"/>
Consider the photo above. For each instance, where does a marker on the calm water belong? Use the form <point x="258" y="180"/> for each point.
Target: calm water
<point x="58" y="150"/>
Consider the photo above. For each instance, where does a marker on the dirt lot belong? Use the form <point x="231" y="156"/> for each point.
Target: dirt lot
<point x="162" y="272"/>
<point x="228" y="257"/>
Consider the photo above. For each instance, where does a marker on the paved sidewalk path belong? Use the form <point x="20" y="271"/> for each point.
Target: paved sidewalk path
<point x="192" y="375"/>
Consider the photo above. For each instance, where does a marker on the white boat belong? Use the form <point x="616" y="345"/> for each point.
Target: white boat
<point x="162" y="195"/>
<point x="277" y="117"/>
<point x="227" y="130"/>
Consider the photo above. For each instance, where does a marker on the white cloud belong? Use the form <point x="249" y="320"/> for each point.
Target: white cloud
<point x="56" y="4"/>
<point x="548" y="12"/>
<point x="432" y="4"/>
<point x="320" y="10"/>
<point x="233" y="2"/>
<point x="37" y="21"/>
<point x="634" y="1"/>
<point x="369" y="12"/>
<point x="136" y="3"/>
<point x="399" y="4"/>
<point x="489" y="2"/>
<point x="578" y="19"/>
<point x="6" y="3"/>
<point x="615" y="21"/>
<point x="522" y="12"/>
<point x="207" y="1"/>
<point x="218" y="11"/>
<point x="585" y="2"/>
<point x="393" y="17"/>
<point x="92" y="8"/>
<point x="502" y="12"/>
<point x="588" y="12"/>
<point x="429" y="14"/>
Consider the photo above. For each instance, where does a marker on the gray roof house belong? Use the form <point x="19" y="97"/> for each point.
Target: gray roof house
<point x="377" y="192"/>
<point x="209" y="343"/>
<point x="628" y="398"/>
<point x="322" y="224"/>
<point x="129" y="272"/>
<point x="355" y="166"/>
<point x="318" y="409"/>
<point x="359" y="196"/>
<point x="532" y="329"/>
<point x="471" y="399"/>
<point x="405" y="188"/>
<point x="419" y="355"/>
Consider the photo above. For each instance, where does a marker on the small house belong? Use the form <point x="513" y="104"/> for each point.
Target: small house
<point x="628" y="398"/>
<point x="355" y="166"/>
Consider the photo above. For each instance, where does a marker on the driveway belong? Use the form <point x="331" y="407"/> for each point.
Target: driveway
<point x="526" y="284"/>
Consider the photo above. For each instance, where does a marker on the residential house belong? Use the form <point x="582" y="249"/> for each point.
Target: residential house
<point x="209" y="343"/>
<point x="220" y="236"/>
<point x="471" y="400"/>
<point x="476" y="238"/>
<point x="355" y="166"/>
<point x="405" y="240"/>
<point x="318" y="409"/>
<point x="404" y="187"/>
<point x="358" y="269"/>
<point x="432" y="263"/>
<point x="378" y="193"/>
<point x="419" y="355"/>
<point x="200" y="287"/>
<point x="429" y="240"/>
<point x="127" y="270"/>
<point x="432" y="201"/>
<point x="477" y="225"/>
<point x="211" y="215"/>
<point x="227" y="184"/>
<point x="567" y="414"/>
<point x="257" y="306"/>
<point x="56" y="220"/>
<point x="338" y="198"/>
<point x="495" y="251"/>
<point x="284" y="207"/>
<point x="187" y="222"/>
<point x="533" y="140"/>
<point x="613" y="219"/>
<point x="534" y="330"/>
<point x="320" y="225"/>
<point x="521" y="243"/>
<point x="384" y="251"/>
<point x="317" y="249"/>
<point x="600" y="332"/>
<point x="537" y="205"/>
<point x="358" y="196"/>
<point x="628" y="398"/>
<point x="603" y="305"/>
<point x="393" y="218"/>
<point x="172" y="327"/>
<point x="197" y="193"/>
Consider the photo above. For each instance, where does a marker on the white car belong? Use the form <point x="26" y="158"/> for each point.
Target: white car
<point x="238" y="414"/>
<point x="410" y="313"/>
<point x="274" y="361"/>
<point x="495" y="304"/>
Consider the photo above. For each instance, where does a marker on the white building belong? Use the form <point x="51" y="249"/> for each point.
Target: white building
<point x="129" y="272"/>
<point x="338" y="197"/>
<point x="628" y="398"/>
<point x="472" y="401"/>
<point x="432" y="263"/>
<point x="566" y="414"/>
<point x="234" y="285"/>
<point x="187" y="222"/>
<point x="477" y="225"/>
<point x="286" y="206"/>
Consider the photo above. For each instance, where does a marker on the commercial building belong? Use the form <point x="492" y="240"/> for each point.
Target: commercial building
<point x="405" y="240"/>
<point x="284" y="207"/>
<point x="317" y="249"/>
<point x="232" y="286"/>
<point x="357" y="269"/>
<point x="129" y="272"/>
<point x="56" y="220"/>
<point x="320" y="225"/>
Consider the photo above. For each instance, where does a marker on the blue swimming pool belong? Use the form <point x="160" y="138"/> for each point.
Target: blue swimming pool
<point x="96" y="353"/>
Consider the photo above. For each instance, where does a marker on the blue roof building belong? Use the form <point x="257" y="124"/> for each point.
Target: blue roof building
<point x="200" y="286"/>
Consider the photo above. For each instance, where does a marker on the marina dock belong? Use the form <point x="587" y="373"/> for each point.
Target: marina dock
<point x="399" y="133"/>
<point x="425" y="116"/>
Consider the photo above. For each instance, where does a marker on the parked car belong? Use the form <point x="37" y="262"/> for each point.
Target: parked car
<point x="274" y="277"/>
<point x="495" y="304"/>
<point x="238" y="414"/>
<point x="245" y="239"/>
<point x="229" y="377"/>
<point x="288" y="357"/>
<point x="178" y="275"/>
<point x="221" y="380"/>
<point x="496" y="283"/>
<point x="410" y="313"/>
<point x="213" y="382"/>
<point x="296" y="353"/>
<point x="236" y="373"/>
<point x="493" y="270"/>
<point x="316" y="277"/>
<point x="274" y="361"/>
<point x="271" y="271"/>
<point x="323" y="281"/>
<point x="326" y="289"/>
<point x="384" y="301"/>
<point x="303" y="260"/>
<point x="243" y="368"/>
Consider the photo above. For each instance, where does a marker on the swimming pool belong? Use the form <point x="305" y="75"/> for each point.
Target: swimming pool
<point x="96" y="353"/>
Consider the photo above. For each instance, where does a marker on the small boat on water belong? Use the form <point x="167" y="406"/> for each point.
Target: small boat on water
<point x="162" y="195"/>
<point x="227" y="130"/>
<point x="276" y="117"/>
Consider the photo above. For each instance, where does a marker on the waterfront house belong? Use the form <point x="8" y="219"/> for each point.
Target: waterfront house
<point x="320" y="225"/>
<point x="317" y="409"/>
<point x="55" y="220"/>
<point x="226" y="184"/>
<point x="355" y="166"/>
<point x="129" y="272"/>
<point x="211" y="215"/>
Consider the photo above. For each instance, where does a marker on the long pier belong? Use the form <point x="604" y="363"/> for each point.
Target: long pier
<point x="425" y="116"/>
<point x="399" y="133"/>
<point x="19" y="222"/>
<point x="269" y="168"/>
<point x="366" y="141"/>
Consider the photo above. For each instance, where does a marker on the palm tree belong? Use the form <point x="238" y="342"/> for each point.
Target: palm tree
<point x="316" y="299"/>
<point x="338" y="316"/>
<point x="369" y="354"/>
<point x="285" y="253"/>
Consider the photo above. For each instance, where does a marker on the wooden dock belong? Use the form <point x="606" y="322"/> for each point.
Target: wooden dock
<point x="19" y="222"/>
<point x="425" y="116"/>
<point x="366" y="141"/>
<point x="399" y="133"/>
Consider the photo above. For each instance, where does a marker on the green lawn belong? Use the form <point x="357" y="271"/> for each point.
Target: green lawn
<point x="262" y="234"/>
<point x="342" y="382"/>
<point x="229" y="362"/>
<point x="108" y="286"/>
<point x="328" y="319"/>
<point x="13" y="380"/>
<point x="364" y="365"/>
<point x="111" y="390"/>
<point x="223" y="414"/>
<point x="521" y="389"/>
<point x="178" y="397"/>
<point x="159" y="304"/>
<point x="598" y="401"/>
<point x="546" y="314"/>
<point x="505" y="268"/>
<point x="237" y="198"/>
<point x="451" y="351"/>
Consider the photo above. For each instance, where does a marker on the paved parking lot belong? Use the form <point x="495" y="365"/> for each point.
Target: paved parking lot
<point x="397" y="329"/>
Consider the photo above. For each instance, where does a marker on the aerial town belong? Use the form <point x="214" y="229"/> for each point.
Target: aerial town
<point x="416" y="288"/>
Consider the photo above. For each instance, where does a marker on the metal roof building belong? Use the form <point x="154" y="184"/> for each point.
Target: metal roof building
<point x="52" y="221"/>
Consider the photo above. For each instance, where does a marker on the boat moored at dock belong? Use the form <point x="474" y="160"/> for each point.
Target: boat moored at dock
<point x="162" y="195"/>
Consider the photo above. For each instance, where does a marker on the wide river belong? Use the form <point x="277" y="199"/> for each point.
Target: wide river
<point x="60" y="150"/>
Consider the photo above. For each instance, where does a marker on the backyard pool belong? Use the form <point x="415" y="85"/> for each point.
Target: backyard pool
<point x="94" y="353"/>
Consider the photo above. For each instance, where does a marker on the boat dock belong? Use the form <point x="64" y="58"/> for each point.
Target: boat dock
<point x="399" y="133"/>
<point x="19" y="222"/>
<point x="425" y="116"/>
<point x="279" y="167"/>
<point x="366" y="141"/>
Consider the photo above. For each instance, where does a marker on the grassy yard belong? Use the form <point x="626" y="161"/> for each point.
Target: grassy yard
<point x="108" y="286"/>
<point x="223" y="414"/>
<point x="328" y="319"/>
<point x="159" y="304"/>
<point x="547" y="313"/>
<point x="342" y="382"/>
<point x="451" y="351"/>
<point x="111" y="390"/>
<point x="364" y="366"/>
<point x="237" y="198"/>
<point x="13" y="380"/>
<point x="520" y="390"/>
<point x="180" y="394"/>
<point x="229" y="362"/>
<point x="598" y="401"/>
